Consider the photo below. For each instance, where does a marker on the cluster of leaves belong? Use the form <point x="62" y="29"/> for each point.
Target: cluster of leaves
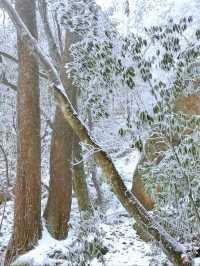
<point x="161" y="62"/>
<point x="172" y="174"/>
<point x="105" y="66"/>
<point x="83" y="17"/>
<point x="89" y="245"/>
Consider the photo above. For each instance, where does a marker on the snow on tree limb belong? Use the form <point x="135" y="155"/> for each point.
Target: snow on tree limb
<point x="53" y="50"/>
<point x="175" y="251"/>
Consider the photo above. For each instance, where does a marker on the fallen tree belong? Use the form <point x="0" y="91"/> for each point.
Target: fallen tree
<point x="175" y="251"/>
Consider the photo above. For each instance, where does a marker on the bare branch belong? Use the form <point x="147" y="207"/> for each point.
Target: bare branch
<point x="6" y="164"/>
<point x="23" y="30"/>
<point x="8" y="84"/>
<point x="59" y="32"/>
<point x="3" y="216"/>
<point x="4" y="81"/>
<point x="43" y="75"/>
<point x="53" y="49"/>
<point x="8" y="56"/>
<point x="176" y="251"/>
<point x="15" y="60"/>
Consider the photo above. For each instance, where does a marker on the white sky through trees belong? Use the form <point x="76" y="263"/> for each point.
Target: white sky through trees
<point x="106" y="3"/>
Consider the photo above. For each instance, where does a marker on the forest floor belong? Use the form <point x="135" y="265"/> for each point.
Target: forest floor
<point x="116" y="228"/>
<point x="112" y="226"/>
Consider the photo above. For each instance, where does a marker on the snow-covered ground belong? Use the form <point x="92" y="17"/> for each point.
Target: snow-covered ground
<point x="115" y="227"/>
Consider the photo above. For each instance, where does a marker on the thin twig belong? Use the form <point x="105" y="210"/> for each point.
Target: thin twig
<point x="3" y="216"/>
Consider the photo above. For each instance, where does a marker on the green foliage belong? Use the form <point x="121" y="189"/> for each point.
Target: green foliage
<point x="161" y="62"/>
<point x="89" y="244"/>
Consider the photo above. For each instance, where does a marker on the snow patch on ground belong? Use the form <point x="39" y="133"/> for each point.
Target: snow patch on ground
<point x="114" y="224"/>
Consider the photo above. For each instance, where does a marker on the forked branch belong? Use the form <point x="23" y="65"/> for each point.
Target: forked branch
<point x="175" y="251"/>
<point x="53" y="49"/>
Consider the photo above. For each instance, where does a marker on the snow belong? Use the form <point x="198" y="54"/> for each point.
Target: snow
<point x="196" y="262"/>
<point x="126" y="166"/>
<point x="124" y="246"/>
<point x="105" y="3"/>
<point x="39" y="255"/>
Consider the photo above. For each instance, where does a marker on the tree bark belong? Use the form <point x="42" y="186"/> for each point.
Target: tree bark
<point x="64" y="142"/>
<point x="171" y="247"/>
<point x="79" y="176"/>
<point x="188" y="105"/>
<point x="154" y="147"/>
<point x="79" y="180"/>
<point x="57" y="212"/>
<point x="138" y="189"/>
<point x="176" y="252"/>
<point x="92" y="167"/>
<point x="27" y="212"/>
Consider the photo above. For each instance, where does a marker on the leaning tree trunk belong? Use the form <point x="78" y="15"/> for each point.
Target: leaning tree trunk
<point x="176" y="252"/>
<point x="27" y="222"/>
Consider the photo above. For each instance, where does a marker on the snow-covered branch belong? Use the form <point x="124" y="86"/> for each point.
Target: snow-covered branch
<point x="175" y="251"/>
<point x="53" y="49"/>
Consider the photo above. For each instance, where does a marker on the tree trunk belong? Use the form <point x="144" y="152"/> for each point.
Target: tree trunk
<point x="92" y="166"/>
<point x="60" y="188"/>
<point x="138" y="189"/>
<point x="79" y="179"/>
<point x="153" y="148"/>
<point x="57" y="212"/>
<point x="27" y="213"/>
<point x="176" y="252"/>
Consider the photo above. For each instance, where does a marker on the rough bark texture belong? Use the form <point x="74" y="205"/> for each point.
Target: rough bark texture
<point x="27" y="223"/>
<point x="79" y="177"/>
<point x="188" y="104"/>
<point x="57" y="212"/>
<point x="64" y="141"/>
<point x="176" y="252"/>
<point x="172" y="248"/>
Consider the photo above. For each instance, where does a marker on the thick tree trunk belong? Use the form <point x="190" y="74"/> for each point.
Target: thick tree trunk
<point x="176" y="252"/>
<point x="57" y="212"/>
<point x="27" y="223"/>
<point x="60" y="188"/>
